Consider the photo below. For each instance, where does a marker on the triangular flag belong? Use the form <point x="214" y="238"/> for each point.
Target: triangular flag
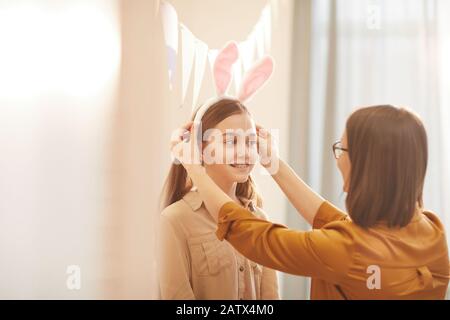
<point x="247" y="52"/>
<point x="266" y="18"/>
<point x="201" y="54"/>
<point x="188" y="54"/>
<point x="237" y="74"/>
<point x="169" y="20"/>
<point x="259" y="40"/>
<point x="212" y="55"/>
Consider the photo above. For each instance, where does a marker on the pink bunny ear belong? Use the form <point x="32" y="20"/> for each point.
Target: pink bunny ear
<point x="223" y="67"/>
<point x="255" y="78"/>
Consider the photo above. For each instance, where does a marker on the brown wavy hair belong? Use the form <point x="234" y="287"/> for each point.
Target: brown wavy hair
<point x="177" y="183"/>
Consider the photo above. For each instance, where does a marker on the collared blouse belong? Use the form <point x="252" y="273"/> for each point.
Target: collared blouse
<point x="195" y="264"/>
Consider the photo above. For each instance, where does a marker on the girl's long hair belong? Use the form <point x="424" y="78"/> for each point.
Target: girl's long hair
<point x="177" y="183"/>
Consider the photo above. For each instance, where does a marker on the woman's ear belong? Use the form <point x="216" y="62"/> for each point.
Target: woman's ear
<point x="222" y="69"/>
<point x="255" y="78"/>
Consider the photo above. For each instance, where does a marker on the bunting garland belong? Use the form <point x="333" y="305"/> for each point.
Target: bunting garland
<point x="170" y="28"/>
<point x="195" y="53"/>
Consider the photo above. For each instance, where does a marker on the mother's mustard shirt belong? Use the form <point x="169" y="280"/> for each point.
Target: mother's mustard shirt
<point x="344" y="260"/>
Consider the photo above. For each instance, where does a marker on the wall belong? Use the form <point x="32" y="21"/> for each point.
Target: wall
<point x="60" y="70"/>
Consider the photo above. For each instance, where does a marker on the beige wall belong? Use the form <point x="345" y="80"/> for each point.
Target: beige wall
<point x="81" y="149"/>
<point x="139" y="146"/>
<point x="59" y="80"/>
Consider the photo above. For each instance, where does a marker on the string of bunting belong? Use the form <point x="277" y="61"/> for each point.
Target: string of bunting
<point x="195" y="53"/>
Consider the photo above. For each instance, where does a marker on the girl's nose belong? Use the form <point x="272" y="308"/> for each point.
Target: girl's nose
<point x="251" y="154"/>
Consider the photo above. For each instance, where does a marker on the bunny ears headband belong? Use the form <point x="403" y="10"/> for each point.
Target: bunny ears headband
<point x="253" y="80"/>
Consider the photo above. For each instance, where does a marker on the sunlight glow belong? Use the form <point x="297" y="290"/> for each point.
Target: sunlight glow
<point x="61" y="49"/>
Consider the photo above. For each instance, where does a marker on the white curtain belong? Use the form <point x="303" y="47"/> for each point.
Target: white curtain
<point x="364" y="53"/>
<point x="399" y="60"/>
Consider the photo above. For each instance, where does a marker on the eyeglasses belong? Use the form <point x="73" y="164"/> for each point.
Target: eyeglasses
<point x="338" y="150"/>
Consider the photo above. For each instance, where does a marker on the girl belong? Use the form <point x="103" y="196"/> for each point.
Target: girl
<point x="386" y="247"/>
<point x="194" y="264"/>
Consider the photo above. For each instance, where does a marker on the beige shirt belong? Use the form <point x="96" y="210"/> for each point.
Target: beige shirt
<point x="194" y="264"/>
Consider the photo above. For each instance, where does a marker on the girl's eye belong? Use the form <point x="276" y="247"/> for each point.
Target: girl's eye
<point x="229" y="142"/>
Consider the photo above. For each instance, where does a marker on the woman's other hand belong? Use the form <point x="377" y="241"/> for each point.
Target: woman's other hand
<point x="185" y="148"/>
<point x="267" y="149"/>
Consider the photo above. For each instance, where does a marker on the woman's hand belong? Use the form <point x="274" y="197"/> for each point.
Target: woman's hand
<point x="267" y="150"/>
<point x="185" y="148"/>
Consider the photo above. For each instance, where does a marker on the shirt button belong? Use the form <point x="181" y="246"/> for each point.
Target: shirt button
<point x="241" y="269"/>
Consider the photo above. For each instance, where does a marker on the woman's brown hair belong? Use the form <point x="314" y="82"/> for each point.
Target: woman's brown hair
<point x="388" y="154"/>
<point x="177" y="182"/>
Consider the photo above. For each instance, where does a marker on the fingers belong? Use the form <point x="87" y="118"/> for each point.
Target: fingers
<point x="261" y="131"/>
<point x="188" y="125"/>
<point x="182" y="133"/>
<point x="259" y="127"/>
<point x="177" y="136"/>
<point x="187" y="130"/>
<point x="183" y="144"/>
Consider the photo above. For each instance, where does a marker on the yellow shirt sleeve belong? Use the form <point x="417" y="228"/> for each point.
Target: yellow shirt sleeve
<point x="324" y="253"/>
<point x="326" y="214"/>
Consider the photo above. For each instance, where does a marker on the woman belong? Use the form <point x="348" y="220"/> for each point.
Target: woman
<point x="194" y="264"/>
<point x="387" y="247"/>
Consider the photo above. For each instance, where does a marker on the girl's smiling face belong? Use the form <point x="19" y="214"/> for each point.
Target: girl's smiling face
<point x="236" y="139"/>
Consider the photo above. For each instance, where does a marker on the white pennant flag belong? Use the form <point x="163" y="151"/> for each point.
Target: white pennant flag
<point x="266" y="18"/>
<point x="237" y="74"/>
<point x="212" y="55"/>
<point x="247" y="52"/>
<point x="170" y="27"/>
<point x="188" y="54"/>
<point x="259" y="40"/>
<point x="201" y="55"/>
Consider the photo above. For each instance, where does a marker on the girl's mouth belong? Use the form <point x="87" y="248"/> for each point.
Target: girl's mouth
<point x="240" y="166"/>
